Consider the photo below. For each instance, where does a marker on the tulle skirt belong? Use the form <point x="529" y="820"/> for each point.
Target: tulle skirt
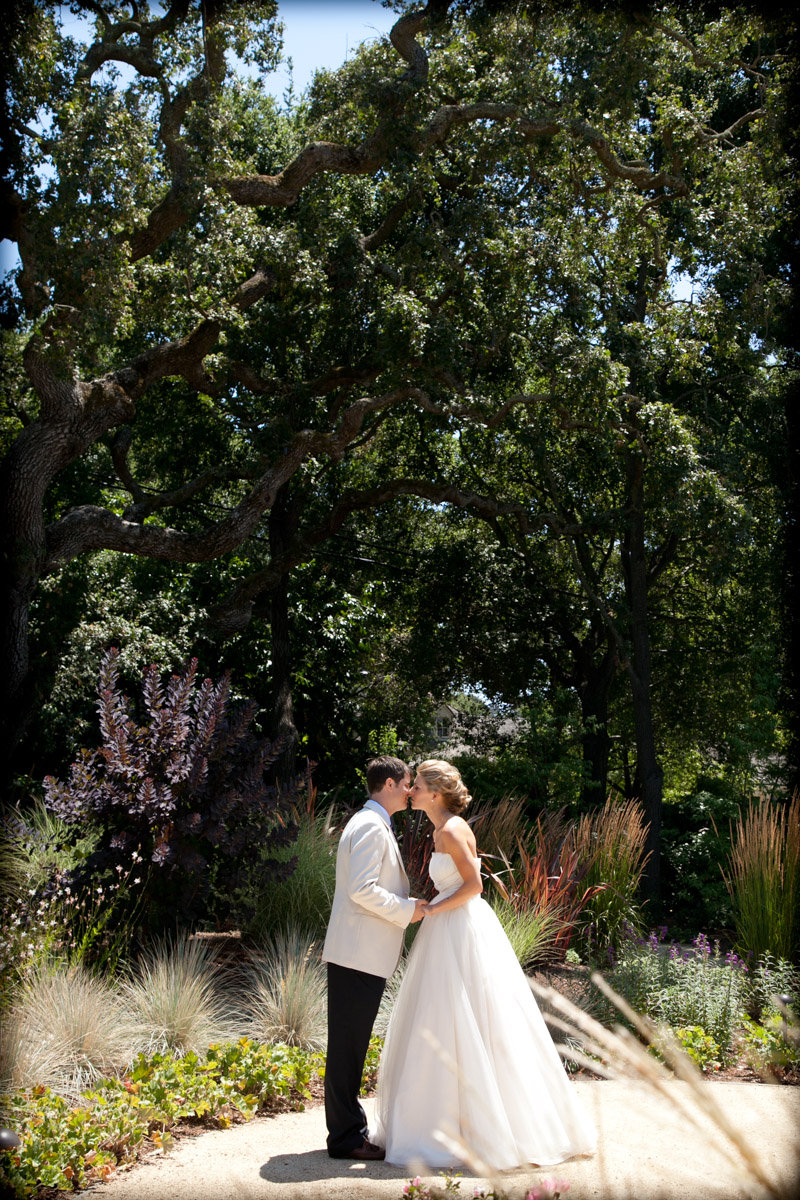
<point x="468" y="1053"/>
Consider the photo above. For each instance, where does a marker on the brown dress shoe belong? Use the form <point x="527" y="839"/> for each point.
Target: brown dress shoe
<point x="367" y="1152"/>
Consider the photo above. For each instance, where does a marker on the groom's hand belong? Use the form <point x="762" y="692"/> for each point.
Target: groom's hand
<point x="419" y="911"/>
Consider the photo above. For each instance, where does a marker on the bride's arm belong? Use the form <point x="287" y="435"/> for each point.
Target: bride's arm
<point x="455" y="843"/>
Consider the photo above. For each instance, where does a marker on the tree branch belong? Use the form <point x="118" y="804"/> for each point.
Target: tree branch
<point x="235" y="610"/>
<point x="90" y="527"/>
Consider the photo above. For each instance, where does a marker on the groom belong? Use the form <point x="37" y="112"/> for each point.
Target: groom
<point x="371" y="909"/>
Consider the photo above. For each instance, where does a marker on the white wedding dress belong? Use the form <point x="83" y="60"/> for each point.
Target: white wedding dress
<point x="468" y="1053"/>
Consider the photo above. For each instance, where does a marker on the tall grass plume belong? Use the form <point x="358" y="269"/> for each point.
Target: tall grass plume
<point x="303" y="900"/>
<point x="610" y="842"/>
<point x="763" y="878"/>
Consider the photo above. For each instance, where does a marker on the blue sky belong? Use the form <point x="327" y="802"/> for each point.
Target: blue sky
<point x="323" y="33"/>
<point x="317" y="33"/>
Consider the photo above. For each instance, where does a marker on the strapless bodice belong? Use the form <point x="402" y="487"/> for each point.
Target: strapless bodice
<point x="444" y="873"/>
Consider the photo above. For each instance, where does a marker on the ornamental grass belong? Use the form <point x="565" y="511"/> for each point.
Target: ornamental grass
<point x="500" y="826"/>
<point x="26" y="1061"/>
<point x="549" y="880"/>
<point x="304" y="898"/>
<point x="71" y="1022"/>
<point x="610" y="842"/>
<point x="532" y="932"/>
<point x="286" y="991"/>
<point x="763" y="878"/>
<point x="175" y="1001"/>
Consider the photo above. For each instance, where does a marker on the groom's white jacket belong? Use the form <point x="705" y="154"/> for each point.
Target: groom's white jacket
<point x="371" y="907"/>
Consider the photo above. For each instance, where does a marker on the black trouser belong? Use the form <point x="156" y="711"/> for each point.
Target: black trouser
<point x="353" y="1001"/>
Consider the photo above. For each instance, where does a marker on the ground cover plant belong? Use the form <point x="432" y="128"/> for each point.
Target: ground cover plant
<point x="709" y="1000"/>
<point x="68" y="1144"/>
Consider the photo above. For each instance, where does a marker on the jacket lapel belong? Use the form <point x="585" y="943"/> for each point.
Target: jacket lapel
<point x="392" y="840"/>
<point x="388" y="833"/>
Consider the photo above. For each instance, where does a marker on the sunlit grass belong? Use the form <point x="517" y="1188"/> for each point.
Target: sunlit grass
<point x="532" y="932"/>
<point x="763" y="878"/>
<point x="611" y="843"/>
<point x="304" y="899"/>
<point x="174" y="998"/>
<point x="71" y="1022"/>
<point x="285" y="991"/>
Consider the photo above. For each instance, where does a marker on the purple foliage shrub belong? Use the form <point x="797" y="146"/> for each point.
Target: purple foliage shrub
<point x="188" y="788"/>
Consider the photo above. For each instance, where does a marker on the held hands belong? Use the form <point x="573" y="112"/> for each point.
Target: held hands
<point x="419" y="911"/>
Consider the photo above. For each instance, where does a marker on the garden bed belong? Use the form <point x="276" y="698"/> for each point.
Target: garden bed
<point x="572" y="980"/>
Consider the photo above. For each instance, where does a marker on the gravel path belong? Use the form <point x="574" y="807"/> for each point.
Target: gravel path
<point x="647" y="1151"/>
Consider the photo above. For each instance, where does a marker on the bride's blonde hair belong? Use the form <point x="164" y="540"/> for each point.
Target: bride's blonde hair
<point x="444" y="778"/>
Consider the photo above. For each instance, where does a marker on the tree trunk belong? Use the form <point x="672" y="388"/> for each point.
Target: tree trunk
<point x="595" y="739"/>
<point x="21" y="552"/>
<point x="15" y="687"/>
<point x="282" y="524"/>
<point x="789" y="482"/>
<point x="650" y="777"/>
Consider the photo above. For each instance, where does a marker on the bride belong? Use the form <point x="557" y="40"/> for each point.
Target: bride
<point x="467" y="1051"/>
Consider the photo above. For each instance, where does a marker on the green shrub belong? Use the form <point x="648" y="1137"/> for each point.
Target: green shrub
<point x="43" y="919"/>
<point x="682" y="988"/>
<point x="769" y="1043"/>
<point x="695" y="842"/>
<point x="504" y="774"/>
<point x="771" y="977"/>
<point x="188" y="788"/>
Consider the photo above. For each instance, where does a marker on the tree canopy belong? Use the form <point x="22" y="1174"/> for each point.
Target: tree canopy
<point x="441" y="286"/>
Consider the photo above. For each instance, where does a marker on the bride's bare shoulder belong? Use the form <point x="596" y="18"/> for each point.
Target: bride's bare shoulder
<point x="456" y="830"/>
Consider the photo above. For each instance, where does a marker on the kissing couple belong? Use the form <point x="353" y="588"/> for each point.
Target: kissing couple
<point x="468" y="1059"/>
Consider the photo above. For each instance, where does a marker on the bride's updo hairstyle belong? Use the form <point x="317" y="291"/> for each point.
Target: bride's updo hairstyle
<point x="444" y="778"/>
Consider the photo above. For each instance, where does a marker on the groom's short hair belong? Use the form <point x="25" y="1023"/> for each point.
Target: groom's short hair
<point x="383" y="768"/>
